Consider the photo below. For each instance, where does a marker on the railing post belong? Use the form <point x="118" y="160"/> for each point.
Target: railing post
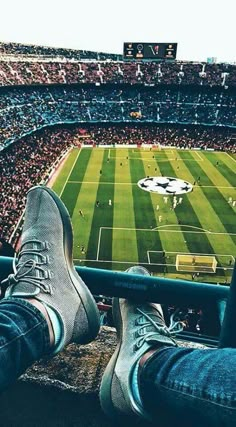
<point x="228" y="333"/>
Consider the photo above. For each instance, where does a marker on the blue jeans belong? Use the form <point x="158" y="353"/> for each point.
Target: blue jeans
<point x="190" y="387"/>
<point x="184" y="386"/>
<point x="24" y="338"/>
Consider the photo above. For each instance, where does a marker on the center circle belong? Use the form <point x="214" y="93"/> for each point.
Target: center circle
<point x="165" y="185"/>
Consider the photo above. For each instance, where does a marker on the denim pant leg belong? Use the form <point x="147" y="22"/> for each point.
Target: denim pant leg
<point x="190" y="387"/>
<point x="24" y="338"/>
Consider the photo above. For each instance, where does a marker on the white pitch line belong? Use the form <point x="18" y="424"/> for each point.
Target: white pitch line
<point x="193" y="253"/>
<point x="184" y="225"/>
<point x="99" y="260"/>
<point x="231" y="157"/>
<point x="143" y="263"/>
<point x="214" y="186"/>
<point x="155" y="150"/>
<point x="99" y="239"/>
<point x="135" y="183"/>
<point x="196" y="232"/>
<point x="214" y="233"/>
<point x="196" y="152"/>
<point x="187" y="160"/>
<point x="101" y="182"/>
<point x="157" y="159"/>
<point x="162" y="160"/>
<point x="67" y="179"/>
<point x="148" y="257"/>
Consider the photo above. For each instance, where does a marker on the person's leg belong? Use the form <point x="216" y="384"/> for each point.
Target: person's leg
<point x="46" y="304"/>
<point x="24" y="338"/>
<point x="149" y="376"/>
<point x="197" y="386"/>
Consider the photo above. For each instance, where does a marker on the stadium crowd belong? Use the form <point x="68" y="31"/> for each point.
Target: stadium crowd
<point x="18" y="49"/>
<point x="52" y="71"/>
<point x="198" y="137"/>
<point x="23" y="110"/>
<point x="24" y="164"/>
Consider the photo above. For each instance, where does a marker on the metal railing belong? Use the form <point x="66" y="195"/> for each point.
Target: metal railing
<point x="165" y="291"/>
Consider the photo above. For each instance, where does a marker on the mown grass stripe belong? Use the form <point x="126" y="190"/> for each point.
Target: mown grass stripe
<point x="180" y="243"/>
<point x="163" y="214"/>
<point x="222" y="209"/>
<point x="143" y="213"/>
<point x="222" y="244"/>
<point x="223" y="167"/>
<point x="187" y="216"/>
<point x="124" y="245"/>
<point x="65" y="171"/>
<point x="229" y="159"/>
<point x="86" y="202"/>
<point x="78" y="166"/>
<point x="71" y="191"/>
<point x="103" y="214"/>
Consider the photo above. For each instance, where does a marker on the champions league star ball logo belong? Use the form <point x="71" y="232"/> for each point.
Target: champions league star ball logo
<point x="165" y="185"/>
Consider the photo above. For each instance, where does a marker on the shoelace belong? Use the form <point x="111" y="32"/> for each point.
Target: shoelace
<point x="145" y="321"/>
<point x="23" y="270"/>
<point x="176" y="323"/>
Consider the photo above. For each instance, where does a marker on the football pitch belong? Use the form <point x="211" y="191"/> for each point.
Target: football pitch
<point x="141" y="227"/>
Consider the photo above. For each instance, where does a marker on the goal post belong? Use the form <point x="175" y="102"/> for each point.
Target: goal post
<point x="196" y="263"/>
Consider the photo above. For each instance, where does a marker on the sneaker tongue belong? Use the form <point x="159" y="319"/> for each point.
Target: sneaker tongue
<point x="149" y="330"/>
<point x="29" y="257"/>
<point x="22" y="289"/>
<point x="32" y="245"/>
<point x="153" y="335"/>
<point x="159" y="338"/>
<point x="25" y="269"/>
<point x="151" y="316"/>
<point x="26" y="266"/>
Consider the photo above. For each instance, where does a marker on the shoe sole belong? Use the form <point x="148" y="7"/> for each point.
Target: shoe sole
<point x="106" y="384"/>
<point x="81" y="289"/>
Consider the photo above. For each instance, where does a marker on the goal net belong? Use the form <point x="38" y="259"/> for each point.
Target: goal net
<point x="196" y="263"/>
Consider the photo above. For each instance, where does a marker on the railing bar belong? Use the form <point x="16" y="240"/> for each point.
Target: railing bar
<point x="148" y="288"/>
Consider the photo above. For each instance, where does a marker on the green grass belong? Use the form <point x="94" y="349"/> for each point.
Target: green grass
<point x="129" y="231"/>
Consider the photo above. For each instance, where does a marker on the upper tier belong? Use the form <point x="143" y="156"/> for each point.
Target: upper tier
<point x="15" y="71"/>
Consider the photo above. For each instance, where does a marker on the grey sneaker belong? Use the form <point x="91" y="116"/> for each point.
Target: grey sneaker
<point x="45" y="270"/>
<point x="140" y="328"/>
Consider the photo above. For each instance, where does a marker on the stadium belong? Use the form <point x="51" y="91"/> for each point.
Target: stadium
<point x="93" y="125"/>
<point x="143" y="154"/>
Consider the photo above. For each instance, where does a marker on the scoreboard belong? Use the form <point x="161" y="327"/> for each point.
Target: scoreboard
<point x="150" y="50"/>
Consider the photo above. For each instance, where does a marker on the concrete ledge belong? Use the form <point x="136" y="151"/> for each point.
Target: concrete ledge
<point x="63" y="391"/>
